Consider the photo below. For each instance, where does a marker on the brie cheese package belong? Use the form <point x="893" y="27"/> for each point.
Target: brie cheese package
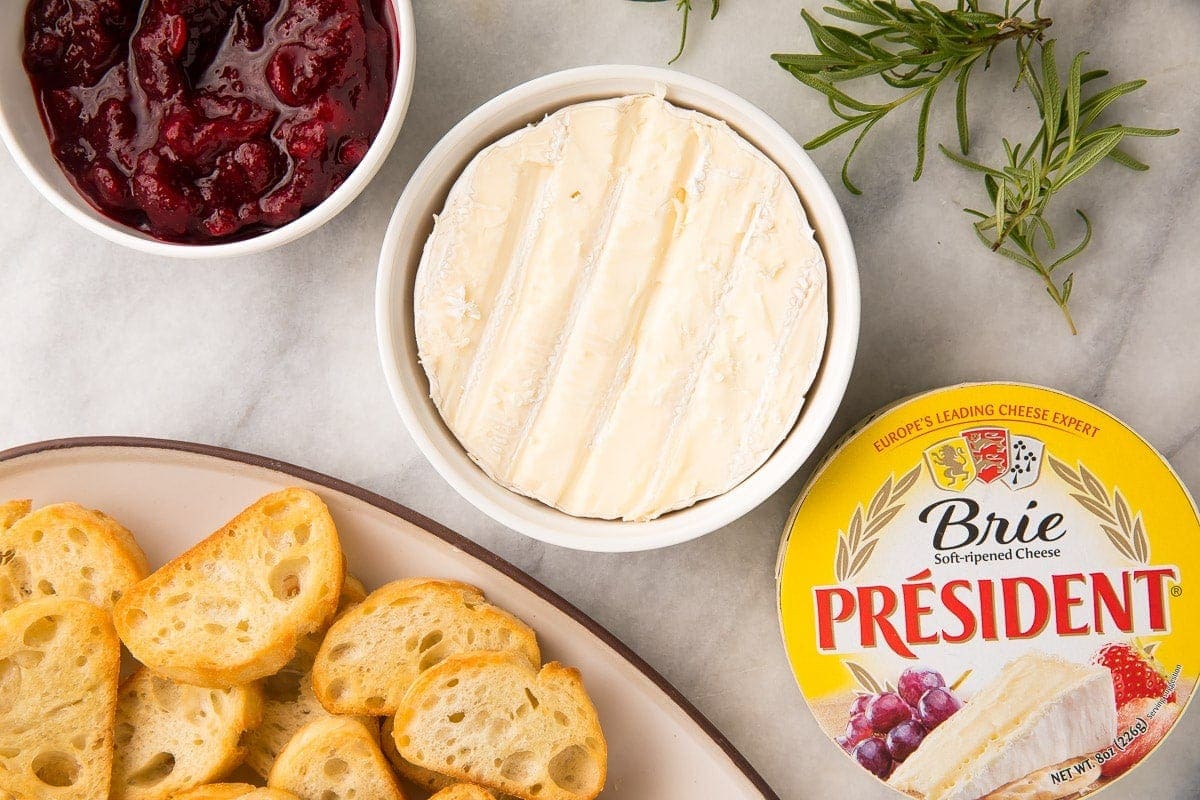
<point x="981" y="595"/>
<point x="621" y="308"/>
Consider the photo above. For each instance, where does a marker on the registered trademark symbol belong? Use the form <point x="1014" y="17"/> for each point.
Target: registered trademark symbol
<point x="1176" y="591"/>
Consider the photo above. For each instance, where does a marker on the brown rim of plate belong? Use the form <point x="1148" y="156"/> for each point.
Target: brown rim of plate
<point x="437" y="529"/>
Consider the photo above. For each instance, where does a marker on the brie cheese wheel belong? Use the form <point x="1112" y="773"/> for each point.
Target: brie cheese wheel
<point x="1039" y="711"/>
<point x="621" y="308"/>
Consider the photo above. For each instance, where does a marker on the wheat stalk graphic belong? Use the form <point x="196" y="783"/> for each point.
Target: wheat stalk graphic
<point x="857" y="543"/>
<point x="1123" y="528"/>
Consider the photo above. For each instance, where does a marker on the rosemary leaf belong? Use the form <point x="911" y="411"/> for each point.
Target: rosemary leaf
<point x="960" y="108"/>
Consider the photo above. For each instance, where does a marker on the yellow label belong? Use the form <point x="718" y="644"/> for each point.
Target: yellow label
<point x="983" y="533"/>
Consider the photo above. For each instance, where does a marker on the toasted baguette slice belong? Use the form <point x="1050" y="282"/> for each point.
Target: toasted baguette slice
<point x="59" y="664"/>
<point x="171" y="737"/>
<point x="233" y="791"/>
<point x="372" y="654"/>
<point x="493" y="719"/>
<point x="233" y="608"/>
<point x="288" y="700"/>
<point x="12" y="511"/>
<point x="425" y="778"/>
<point x="69" y="551"/>
<point x="334" y="758"/>
<point x="464" y="791"/>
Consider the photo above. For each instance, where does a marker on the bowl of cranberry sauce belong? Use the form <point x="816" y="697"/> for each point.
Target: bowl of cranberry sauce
<point x="206" y="127"/>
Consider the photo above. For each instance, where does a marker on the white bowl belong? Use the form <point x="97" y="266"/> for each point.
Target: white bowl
<point x="23" y="133"/>
<point x="412" y="222"/>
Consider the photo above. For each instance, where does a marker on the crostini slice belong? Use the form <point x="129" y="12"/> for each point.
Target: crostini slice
<point x="60" y="661"/>
<point x="235" y="607"/>
<point x="493" y="719"/>
<point x="171" y="736"/>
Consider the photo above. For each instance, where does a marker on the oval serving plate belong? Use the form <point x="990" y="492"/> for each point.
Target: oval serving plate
<point x="171" y="494"/>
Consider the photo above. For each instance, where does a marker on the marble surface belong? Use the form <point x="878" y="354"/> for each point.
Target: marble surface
<point x="276" y="354"/>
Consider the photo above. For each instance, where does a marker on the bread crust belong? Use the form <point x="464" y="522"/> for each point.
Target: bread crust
<point x="233" y="791"/>
<point x="13" y="510"/>
<point x="215" y="791"/>
<point x="463" y="791"/>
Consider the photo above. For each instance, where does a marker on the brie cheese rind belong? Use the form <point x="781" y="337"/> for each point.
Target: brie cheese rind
<point x="1039" y="711"/>
<point x="621" y="309"/>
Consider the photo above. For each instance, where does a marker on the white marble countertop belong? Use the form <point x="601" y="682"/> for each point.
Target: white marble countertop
<point x="276" y="354"/>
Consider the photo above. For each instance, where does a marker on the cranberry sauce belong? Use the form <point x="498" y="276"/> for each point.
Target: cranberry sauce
<point x="203" y="120"/>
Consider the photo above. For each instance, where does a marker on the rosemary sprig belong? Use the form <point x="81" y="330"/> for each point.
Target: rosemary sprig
<point x="686" y="7"/>
<point x="914" y="50"/>
<point x="919" y="47"/>
<point x="1067" y="146"/>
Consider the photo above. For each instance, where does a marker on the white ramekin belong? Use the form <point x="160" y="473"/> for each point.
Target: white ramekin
<point x="22" y="131"/>
<point x="413" y="220"/>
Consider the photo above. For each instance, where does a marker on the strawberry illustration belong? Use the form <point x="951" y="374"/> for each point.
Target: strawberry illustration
<point x="1135" y="673"/>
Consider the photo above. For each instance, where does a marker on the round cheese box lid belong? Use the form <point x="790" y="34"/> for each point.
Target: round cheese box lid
<point x="983" y="593"/>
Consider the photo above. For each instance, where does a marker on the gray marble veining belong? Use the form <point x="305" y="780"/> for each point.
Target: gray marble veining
<point x="276" y="354"/>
